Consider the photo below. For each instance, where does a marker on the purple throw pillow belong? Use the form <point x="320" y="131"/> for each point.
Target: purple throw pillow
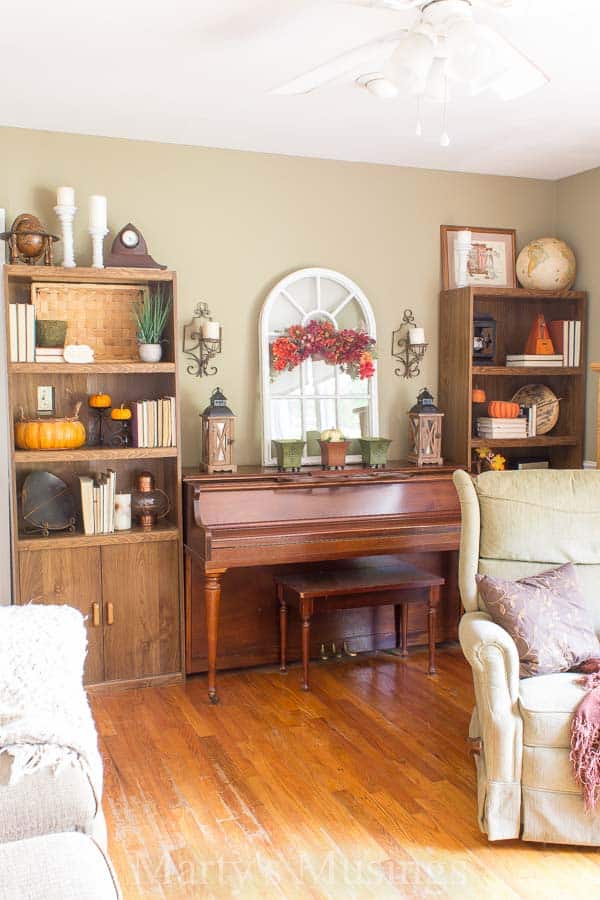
<point x="546" y="616"/>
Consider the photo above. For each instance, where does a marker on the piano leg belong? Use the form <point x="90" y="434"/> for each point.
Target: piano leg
<point x="212" y="599"/>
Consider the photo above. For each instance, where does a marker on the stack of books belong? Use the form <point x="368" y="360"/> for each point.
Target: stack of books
<point x="98" y="502"/>
<point x="154" y="423"/>
<point x="534" y="359"/>
<point x="501" y="428"/>
<point x="49" y="354"/>
<point x="21" y="322"/>
<point x="566" y="337"/>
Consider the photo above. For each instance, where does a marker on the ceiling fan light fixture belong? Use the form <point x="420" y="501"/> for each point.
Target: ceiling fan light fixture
<point x="412" y="59"/>
<point x="437" y="88"/>
<point x="379" y="86"/>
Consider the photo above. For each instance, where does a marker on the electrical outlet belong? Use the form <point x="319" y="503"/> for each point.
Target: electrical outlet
<point x="45" y="400"/>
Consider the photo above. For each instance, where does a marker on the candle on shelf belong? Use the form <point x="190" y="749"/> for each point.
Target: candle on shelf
<point x="65" y="196"/>
<point x="211" y="331"/>
<point x="98" y="213"/>
<point x="122" y="512"/>
<point x="416" y="336"/>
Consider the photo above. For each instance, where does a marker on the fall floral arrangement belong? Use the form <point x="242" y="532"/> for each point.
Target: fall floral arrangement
<point x="486" y="459"/>
<point x="352" y="350"/>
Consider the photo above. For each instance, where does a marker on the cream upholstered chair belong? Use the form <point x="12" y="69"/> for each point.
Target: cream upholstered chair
<point x="516" y="524"/>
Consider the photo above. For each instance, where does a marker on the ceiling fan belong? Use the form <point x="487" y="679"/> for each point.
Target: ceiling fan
<point x="439" y="47"/>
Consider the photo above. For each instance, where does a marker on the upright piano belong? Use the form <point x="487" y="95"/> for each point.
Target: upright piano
<point x="242" y="528"/>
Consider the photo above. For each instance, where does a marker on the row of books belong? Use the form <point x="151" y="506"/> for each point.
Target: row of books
<point x="502" y="428"/>
<point x="566" y="339"/>
<point x="49" y="355"/>
<point x="154" y="423"/>
<point x="98" y="502"/>
<point x="21" y="323"/>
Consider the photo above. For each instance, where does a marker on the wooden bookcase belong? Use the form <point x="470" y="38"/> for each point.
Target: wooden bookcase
<point x="128" y="584"/>
<point x="514" y="310"/>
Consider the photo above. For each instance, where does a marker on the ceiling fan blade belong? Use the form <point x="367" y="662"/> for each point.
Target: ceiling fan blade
<point x="385" y="4"/>
<point x="352" y="61"/>
<point x="520" y="76"/>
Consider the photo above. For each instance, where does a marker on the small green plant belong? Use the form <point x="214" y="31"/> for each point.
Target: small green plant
<point x="151" y="315"/>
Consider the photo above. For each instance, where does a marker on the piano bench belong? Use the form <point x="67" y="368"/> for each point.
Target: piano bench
<point x="352" y="588"/>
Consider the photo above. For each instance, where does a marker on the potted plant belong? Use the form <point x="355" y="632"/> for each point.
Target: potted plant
<point x="151" y="316"/>
<point x="374" y="451"/>
<point x="333" y="449"/>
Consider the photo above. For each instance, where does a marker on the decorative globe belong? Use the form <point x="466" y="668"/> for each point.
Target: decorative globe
<point x="546" y="264"/>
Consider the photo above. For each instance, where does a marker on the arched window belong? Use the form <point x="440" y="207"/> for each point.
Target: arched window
<point x="315" y="396"/>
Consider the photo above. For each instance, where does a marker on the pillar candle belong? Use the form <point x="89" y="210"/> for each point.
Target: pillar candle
<point x="98" y="215"/>
<point x="65" y="196"/>
<point x="464" y="237"/>
<point x="122" y="512"/>
<point x="416" y="336"/>
<point x="211" y="331"/>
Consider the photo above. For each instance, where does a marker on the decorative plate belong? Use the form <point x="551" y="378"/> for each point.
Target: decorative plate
<point x="548" y="404"/>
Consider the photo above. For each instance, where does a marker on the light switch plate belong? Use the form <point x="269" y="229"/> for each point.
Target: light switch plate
<point x="45" y="400"/>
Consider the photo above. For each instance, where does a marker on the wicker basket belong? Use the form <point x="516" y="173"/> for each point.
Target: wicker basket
<point x="100" y="315"/>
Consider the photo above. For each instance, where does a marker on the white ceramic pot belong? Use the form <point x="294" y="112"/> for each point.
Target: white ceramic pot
<point x="150" y="353"/>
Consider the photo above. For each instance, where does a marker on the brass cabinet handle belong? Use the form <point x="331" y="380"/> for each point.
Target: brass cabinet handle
<point x="96" y="614"/>
<point x="110" y="614"/>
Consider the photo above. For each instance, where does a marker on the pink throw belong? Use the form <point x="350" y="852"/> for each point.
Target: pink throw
<point x="585" y="735"/>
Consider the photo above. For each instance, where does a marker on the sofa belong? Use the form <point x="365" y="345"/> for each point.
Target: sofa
<point x="516" y="524"/>
<point x="52" y="829"/>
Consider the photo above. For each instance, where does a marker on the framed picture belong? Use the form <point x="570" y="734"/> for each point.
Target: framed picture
<point x="487" y="260"/>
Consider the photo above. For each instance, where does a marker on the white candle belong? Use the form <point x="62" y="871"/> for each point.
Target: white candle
<point x="98" y="213"/>
<point x="122" y="512"/>
<point x="464" y="237"/>
<point x="65" y="196"/>
<point x="416" y="336"/>
<point x="211" y="331"/>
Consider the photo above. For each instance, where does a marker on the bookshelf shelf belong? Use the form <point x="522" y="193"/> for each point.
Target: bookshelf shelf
<point x="514" y="311"/>
<point x="528" y="370"/>
<point x="89" y="454"/>
<point x="544" y="440"/>
<point x="128" y="584"/>
<point x="64" y="540"/>
<point x="98" y="368"/>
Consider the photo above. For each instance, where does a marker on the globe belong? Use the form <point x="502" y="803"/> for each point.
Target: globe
<point x="546" y="264"/>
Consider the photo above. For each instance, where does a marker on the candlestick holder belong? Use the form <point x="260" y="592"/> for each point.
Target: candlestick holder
<point x="66" y="214"/>
<point x="98" y="235"/>
<point x="202" y="350"/>
<point x="410" y="356"/>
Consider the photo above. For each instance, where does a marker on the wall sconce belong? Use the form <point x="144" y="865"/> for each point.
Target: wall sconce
<point x="408" y="346"/>
<point x="202" y="341"/>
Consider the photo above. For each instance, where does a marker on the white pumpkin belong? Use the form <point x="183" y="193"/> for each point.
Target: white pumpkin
<point x="332" y="435"/>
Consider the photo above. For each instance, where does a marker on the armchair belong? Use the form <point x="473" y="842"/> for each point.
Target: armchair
<point x="516" y="524"/>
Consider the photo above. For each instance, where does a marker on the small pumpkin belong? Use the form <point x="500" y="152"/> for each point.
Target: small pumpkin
<point x="99" y="401"/>
<point x="478" y="395"/>
<point x="503" y="409"/>
<point x="121" y="413"/>
<point x="50" y="434"/>
<point x="332" y="435"/>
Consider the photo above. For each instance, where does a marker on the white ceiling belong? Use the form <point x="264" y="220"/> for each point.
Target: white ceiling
<point x="200" y="71"/>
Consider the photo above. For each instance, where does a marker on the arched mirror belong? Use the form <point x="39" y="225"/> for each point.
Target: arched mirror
<point x="303" y="401"/>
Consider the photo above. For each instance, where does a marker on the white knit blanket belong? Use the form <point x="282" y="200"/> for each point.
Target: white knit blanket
<point x="45" y="718"/>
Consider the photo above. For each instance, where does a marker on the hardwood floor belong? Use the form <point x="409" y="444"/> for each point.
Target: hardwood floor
<point x="361" y="788"/>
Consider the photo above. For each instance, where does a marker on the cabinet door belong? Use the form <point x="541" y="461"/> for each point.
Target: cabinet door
<point x="140" y="592"/>
<point x="72" y="577"/>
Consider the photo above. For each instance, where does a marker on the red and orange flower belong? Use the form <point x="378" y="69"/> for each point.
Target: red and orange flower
<point x="352" y="350"/>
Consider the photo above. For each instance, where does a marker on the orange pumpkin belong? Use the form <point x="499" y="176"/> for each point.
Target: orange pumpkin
<point x="99" y="401"/>
<point x="50" y="434"/>
<point x="121" y="413"/>
<point x="478" y="395"/>
<point x="502" y="409"/>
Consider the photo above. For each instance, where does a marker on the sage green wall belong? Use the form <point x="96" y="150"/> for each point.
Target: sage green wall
<point x="233" y="223"/>
<point x="578" y="216"/>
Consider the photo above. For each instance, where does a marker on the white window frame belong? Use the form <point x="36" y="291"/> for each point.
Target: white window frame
<point x="281" y="293"/>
